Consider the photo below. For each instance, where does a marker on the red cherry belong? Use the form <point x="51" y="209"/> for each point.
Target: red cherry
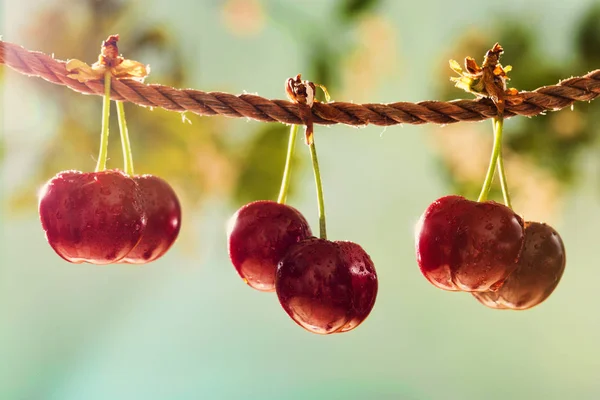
<point x="466" y="245"/>
<point x="259" y="234"/>
<point x="163" y="214"/>
<point x="539" y="270"/>
<point x="326" y="287"/>
<point x="364" y="282"/>
<point x="95" y="217"/>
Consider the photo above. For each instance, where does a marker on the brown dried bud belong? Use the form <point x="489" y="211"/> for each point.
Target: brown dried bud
<point x="299" y="91"/>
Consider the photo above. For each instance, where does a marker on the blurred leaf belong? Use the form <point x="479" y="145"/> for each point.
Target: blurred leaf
<point x="548" y="149"/>
<point x="324" y="45"/>
<point x="324" y="61"/>
<point x="351" y="9"/>
<point x="262" y="168"/>
<point x="587" y="40"/>
<point x="157" y="39"/>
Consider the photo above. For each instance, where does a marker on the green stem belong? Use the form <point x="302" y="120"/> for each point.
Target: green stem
<point x="125" y="144"/>
<point x="319" y="184"/>
<point x="285" y="182"/>
<point x="503" y="183"/>
<point x="489" y="177"/>
<point x="101" y="165"/>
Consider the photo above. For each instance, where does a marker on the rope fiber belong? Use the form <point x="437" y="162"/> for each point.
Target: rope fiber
<point x="546" y="98"/>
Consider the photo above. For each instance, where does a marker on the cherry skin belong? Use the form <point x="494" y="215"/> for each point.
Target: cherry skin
<point x="94" y="217"/>
<point x="163" y="214"/>
<point x="326" y="287"/>
<point x="539" y="271"/>
<point x="259" y="234"/>
<point x="364" y="282"/>
<point x="463" y="245"/>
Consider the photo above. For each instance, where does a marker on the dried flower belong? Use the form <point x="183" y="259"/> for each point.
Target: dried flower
<point x="489" y="80"/>
<point x="110" y="61"/>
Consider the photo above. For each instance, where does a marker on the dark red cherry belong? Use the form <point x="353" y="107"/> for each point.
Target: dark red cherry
<point x="326" y="287"/>
<point x="259" y="234"/>
<point x="468" y="246"/>
<point x="163" y="215"/>
<point x="95" y="217"/>
<point x="364" y="282"/>
<point x="539" y="270"/>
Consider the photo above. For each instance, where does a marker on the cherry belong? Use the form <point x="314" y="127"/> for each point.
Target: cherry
<point x="326" y="287"/>
<point x="163" y="213"/>
<point x="539" y="270"/>
<point x="364" y="282"/>
<point x="95" y="217"/>
<point x="466" y="245"/>
<point x="259" y="234"/>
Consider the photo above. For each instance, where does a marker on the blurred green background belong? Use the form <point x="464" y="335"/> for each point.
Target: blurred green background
<point x="185" y="326"/>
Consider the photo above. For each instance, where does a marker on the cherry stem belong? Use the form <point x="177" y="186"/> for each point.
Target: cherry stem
<point x="101" y="164"/>
<point x="496" y="151"/>
<point x="502" y="174"/>
<point x="285" y="182"/>
<point x="319" y="185"/>
<point x="125" y="144"/>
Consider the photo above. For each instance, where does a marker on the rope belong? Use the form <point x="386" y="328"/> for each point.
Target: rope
<point x="547" y="98"/>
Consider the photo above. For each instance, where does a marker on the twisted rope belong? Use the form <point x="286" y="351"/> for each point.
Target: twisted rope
<point x="546" y="98"/>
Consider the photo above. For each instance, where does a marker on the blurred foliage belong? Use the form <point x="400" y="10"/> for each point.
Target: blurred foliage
<point x="193" y="157"/>
<point x="325" y="48"/>
<point x="162" y="143"/>
<point x="325" y="45"/>
<point x="587" y="39"/>
<point x="351" y="49"/>
<point x="348" y="10"/>
<point x="261" y="168"/>
<point x="555" y="141"/>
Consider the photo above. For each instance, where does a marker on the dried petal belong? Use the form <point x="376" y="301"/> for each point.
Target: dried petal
<point x="131" y="69"/>
<point x="455" y="66"/>
<point x="84" y="72"/>
<point x="498" y="71"/>
<point x="471" y="66"/>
